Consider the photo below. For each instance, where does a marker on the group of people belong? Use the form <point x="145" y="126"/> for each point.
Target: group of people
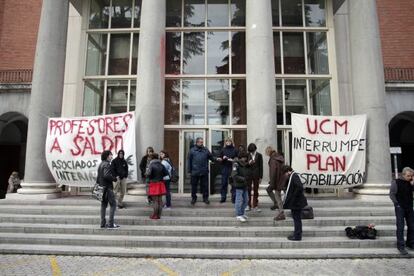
<point x="244" y="169"/>
<point x="241" y="168"/>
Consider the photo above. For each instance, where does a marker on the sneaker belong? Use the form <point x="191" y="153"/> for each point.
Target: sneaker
<point x="245" y="216"/>
<point x="248" y="208"/>
<point x="241" y="219"/>
<point x="274" y="207"/>
<point x="403" y="251"/>
<point x="256" y="209"/>
<point x="206" y="201"/>
<point x="114" y="226"/>
<point x="281" y="216"/>
<point x="222" y="200"/>
<point x="104" y="226"/>
<point x="193" y="201"/>
<point x="121" y="207"/>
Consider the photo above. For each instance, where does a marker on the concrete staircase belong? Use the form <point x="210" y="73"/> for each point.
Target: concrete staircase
<point x="70" y="226"/>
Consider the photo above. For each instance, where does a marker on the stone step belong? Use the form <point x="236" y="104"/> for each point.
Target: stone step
<point x="184" y="201"/>
<point x="197" y="231"/>
<point x="194" y="242"/>
<point x="225" y="211"/>
<point x="196" y="220"/>
<point x="247" y="253"/>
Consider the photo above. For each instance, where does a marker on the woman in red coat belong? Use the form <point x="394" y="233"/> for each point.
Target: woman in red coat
<point x="155" y="173"/>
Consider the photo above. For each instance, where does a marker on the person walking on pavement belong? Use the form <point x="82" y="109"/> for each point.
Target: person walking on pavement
<point x="295" y="200"/>
<point x="106" y="178"/>
<point x="120" y="170"/>
<point x="401" y="194"/>
<point x="156" y="173"/>
<point x="255" y="162"/>
<point x="227" y="155"/>
<point x="240" y="174"/>
<point x="198" y="169"/>
<point x="276" y="183"/>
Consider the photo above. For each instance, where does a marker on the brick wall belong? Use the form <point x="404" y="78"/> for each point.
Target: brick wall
<point x="397" y="32"/>
<point x="19" y="21"/>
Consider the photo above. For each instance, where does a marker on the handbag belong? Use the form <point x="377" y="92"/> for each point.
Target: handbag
<point x="98" y="192"/>
<point x="307" y="212"/>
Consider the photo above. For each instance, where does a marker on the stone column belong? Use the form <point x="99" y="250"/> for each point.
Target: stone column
<point x="150" y="83"/>
<point x="260" y="76"/>
<point x="46" y="96"/>
<point x="368" y="86"/>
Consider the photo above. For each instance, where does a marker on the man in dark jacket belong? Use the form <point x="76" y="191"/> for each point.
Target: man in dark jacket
<point x="401" y="194"/>
<point x="227" y="155"/>
<point x="274" y="190"/>
<point x="119" y="168"/>
<point x="255" y="162"/>
<point x="106" y="179"/>
<point x="295" y="201"/>
<point x="198" y="168"/>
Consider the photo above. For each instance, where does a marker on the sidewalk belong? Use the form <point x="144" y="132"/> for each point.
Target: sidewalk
<point x="85" y="265"/>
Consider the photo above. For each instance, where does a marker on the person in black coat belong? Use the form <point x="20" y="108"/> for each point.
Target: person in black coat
<point x="120" y="170"/>
<point x="255" y="161"/>
<point x="198" y="169"/>
<point x="106" y="178"/>
<point x="156" y="173"/>
<point x="295" y="200"/>
<point x="401" y="194"/>
<point x="227" y="155"/>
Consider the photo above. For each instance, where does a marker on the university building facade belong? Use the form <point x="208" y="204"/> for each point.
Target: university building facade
<point x="211" y="69"/>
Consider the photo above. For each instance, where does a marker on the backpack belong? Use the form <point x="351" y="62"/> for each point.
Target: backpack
<point x="174" y="173"/>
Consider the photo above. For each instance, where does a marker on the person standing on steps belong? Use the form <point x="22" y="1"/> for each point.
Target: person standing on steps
<point x="274" y="190"/>
<point x="120" y="170"/>
<point x="295" y="200"/>
<point x="401" y="194"/>
<point x="198" y="169"/>
<point x="255" y="162"/>
<point x="105" y="178"/>
<point x="156" y="173"/>
<point x="240" y="174"/>
<point x="166" y="162"/>
<point x="227" y="155"/>
<point x="143" y="165"/>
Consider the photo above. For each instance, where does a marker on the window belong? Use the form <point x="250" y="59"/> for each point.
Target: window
<point x="112" y="56"/>
<point x="205" y="63"/>
<point x="300" y="36"/>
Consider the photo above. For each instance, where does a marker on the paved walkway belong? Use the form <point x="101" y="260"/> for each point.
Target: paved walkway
<point x="78" y="265"/>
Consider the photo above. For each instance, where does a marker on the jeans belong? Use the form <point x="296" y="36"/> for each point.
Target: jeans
<point x="203" y="186"/>
<point x="225" y="174"/>
<point x="121" y="187"/>
<point x="275" y="196"/>
<point x="297" y="222"/>
<point x="109" y="197"/>
<point x="408" y="215"/>
<point x="241" y="201"/>
<point x="253" y="186"/>
<point x="168" y="194"/>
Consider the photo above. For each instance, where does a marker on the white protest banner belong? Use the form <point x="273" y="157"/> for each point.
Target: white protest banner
<point x="329" y="151"/>
<point x="74" y="146"/>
